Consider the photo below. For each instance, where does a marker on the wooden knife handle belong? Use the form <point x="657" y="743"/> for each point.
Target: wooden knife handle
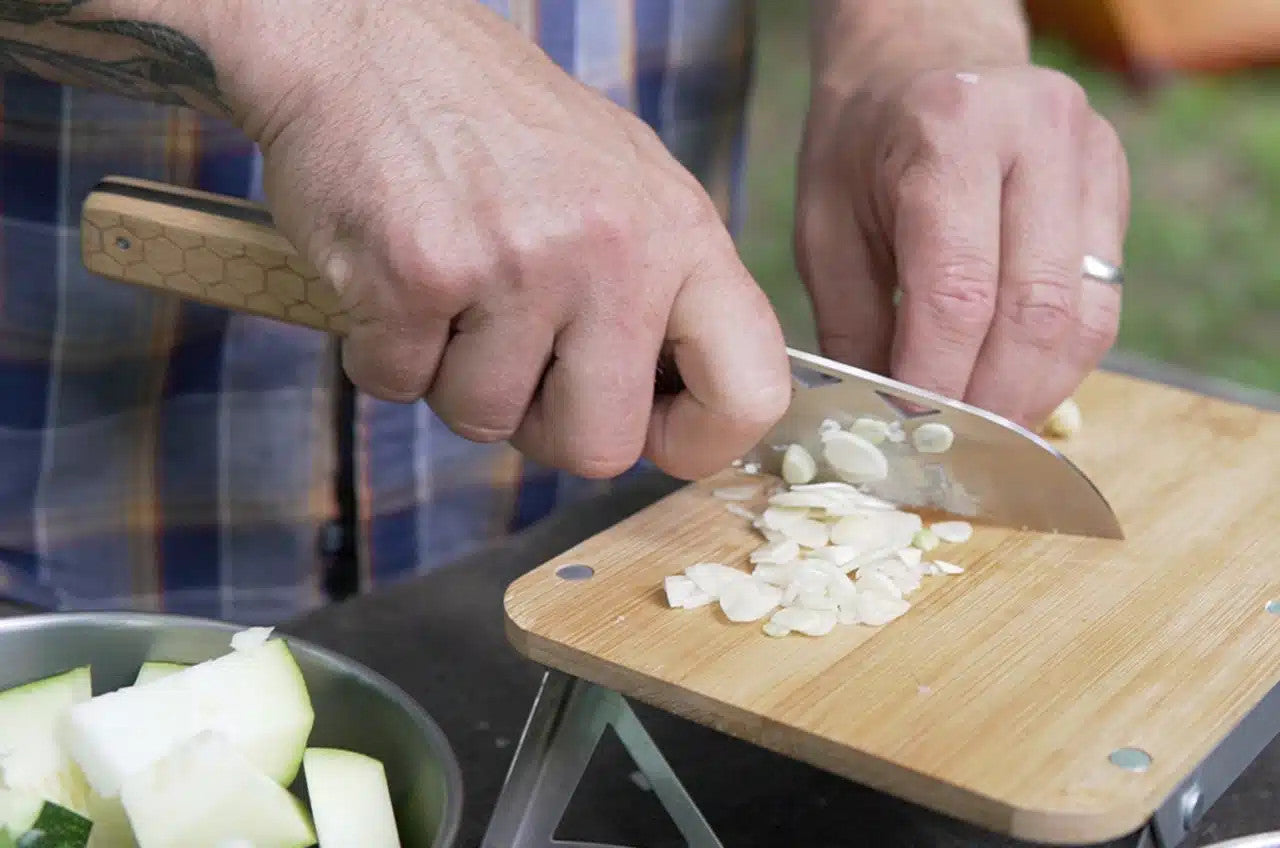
<point x="219" y="250"/>
<point x="222" y="251"/>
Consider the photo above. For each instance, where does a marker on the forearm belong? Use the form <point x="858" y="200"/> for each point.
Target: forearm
<point x="142" y="49"/>
<point x="856" y="41"/>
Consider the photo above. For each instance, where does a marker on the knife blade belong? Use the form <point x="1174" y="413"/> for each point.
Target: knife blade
<point x="227" y="252"/>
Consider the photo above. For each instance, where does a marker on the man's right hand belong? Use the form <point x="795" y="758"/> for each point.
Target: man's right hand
<point x="513" y="247"/>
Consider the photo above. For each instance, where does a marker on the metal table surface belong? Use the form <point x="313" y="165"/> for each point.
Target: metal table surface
<point x="440" y="637"/>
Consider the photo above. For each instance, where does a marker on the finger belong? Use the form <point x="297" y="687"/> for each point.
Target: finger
<point x="590" y="415"/>
<point x="731" y="356"/>
<point x="1104" y="204"/>
<point x="389" y="352"/>
<point x="1038" y="305"/>
<point x="947" y="249"/>
<point x="394" y="363"/>
<point x="489" y="372"/>
<point x="852" y="296"/>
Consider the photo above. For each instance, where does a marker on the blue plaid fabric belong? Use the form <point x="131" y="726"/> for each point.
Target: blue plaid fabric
<point x="164" y="455"/>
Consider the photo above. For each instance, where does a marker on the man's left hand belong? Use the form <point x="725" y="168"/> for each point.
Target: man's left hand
<point x="977" y="193"/>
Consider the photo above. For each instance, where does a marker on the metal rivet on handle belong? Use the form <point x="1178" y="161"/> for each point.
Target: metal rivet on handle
<point x="576" y="571"/>
<point x="1130" y="759"/>
<point x="123" y="243"/>
<point x="1273" y="607"/>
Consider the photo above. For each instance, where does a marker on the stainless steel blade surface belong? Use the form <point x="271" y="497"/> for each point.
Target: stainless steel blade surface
<point x="995" y="472"/>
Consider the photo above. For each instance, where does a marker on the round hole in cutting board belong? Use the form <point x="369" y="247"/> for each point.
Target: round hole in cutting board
<point x="1273" y="607"/>
<point x="1130" y="759"/>
<point x="577" y="571"/>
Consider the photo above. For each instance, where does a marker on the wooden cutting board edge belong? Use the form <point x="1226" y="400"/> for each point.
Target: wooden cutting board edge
<point x="1053" y="827"/>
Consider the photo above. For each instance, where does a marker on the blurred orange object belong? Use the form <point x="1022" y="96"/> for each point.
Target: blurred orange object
<point x="1153" y="36"/>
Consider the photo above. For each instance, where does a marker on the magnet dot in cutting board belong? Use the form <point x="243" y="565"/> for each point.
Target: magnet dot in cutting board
<point x="1273" y="607"/>
<point x="1130" y="759"/>
<point x="577" y="571"/>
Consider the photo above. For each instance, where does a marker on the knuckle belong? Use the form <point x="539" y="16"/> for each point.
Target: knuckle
<point x="964" y="295"/>
<point x="1101" y="329"/>
<point x="938" y="100"/>
<point x="441" y="274"/>
<point x="1044" y="309"/>
<point x="1060" y="98"/>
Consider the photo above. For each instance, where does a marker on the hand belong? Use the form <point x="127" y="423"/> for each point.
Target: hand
<point x="513" y="247"/>
<point x="978" y="198"/>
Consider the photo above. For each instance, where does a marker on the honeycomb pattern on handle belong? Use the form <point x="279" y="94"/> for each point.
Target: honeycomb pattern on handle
<point x="228" y="273"/>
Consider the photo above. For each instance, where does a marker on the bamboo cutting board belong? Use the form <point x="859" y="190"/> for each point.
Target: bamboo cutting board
<point x="1000" y="695"/>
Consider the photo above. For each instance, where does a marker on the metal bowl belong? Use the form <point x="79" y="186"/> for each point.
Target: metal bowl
<point x="356" y="708"/>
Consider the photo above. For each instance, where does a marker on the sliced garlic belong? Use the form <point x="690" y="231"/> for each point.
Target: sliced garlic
<point x="925" y="540"/>
<point x="856" y="457"/>
<point x="877" y="610"/>
<point x="873" y="430"/>
<point x="683" y="593"/>
<point x="806" y="621"/>
<point x="1065" y="421"/>
<point x="807" y="500"/>
<point x="809" y="533"/>
<point x="798" y="465"/>
<point x="780" y="517"/>
<point x="740" y="511"/>
<point x="896" y="433"/>
<point x="877" y="530"/>
<point x="836" y="554"/>
<point x="777" y="575"/>
<point x="932" y="438"/>
<point x="910" y="556"/>
<point x="779" y="552"/>
<point x="945" y="567"/>
<point x="735" y="493"/>
<point x="772" y="629"/>
<point x="875" y="583"/>
<point x="952" y="532"/>
<point x="712" y="577"/>
<point x="749" y="600"/>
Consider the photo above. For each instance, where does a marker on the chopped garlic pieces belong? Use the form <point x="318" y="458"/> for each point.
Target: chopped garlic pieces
<point x="798" y="465"/>
<point x="1065" y="421"/>
<point x="932" y="438"/>
<point x="832" y="553"/>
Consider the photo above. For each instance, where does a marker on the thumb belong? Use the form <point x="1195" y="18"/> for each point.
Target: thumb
<point x="731" y="356"/>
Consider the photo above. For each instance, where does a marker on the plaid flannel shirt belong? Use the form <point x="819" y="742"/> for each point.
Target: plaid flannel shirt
<point x="166" y="455"/>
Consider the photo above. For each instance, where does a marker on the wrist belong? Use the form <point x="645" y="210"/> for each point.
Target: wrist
<point x="868" y="46"/>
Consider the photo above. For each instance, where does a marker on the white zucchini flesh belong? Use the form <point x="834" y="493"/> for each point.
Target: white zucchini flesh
<point x="31" y="756"/>
<point x="18" y="810"/>
<point x="151" y="671"/>
<point x="256" y="698"/>
<point x="206" y="794"/>
<point x="350" y="799"/>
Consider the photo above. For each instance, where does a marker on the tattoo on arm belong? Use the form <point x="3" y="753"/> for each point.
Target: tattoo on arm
<point x="143" y="60"/>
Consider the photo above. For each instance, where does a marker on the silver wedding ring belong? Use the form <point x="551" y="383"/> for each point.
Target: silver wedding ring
<point x="1102" y="271"/>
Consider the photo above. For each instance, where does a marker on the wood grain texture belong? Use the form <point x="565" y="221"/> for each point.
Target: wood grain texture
<point x="999" y="696"/>
<point x="234" y="264"/>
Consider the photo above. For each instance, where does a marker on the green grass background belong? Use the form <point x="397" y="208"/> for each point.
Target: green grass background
<point x="1203" y="251"/>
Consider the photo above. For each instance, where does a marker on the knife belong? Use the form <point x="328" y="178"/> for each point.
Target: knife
<point x="227" y="252"/>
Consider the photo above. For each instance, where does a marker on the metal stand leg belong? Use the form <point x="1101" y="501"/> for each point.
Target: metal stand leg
<point x="565" y="725"/>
